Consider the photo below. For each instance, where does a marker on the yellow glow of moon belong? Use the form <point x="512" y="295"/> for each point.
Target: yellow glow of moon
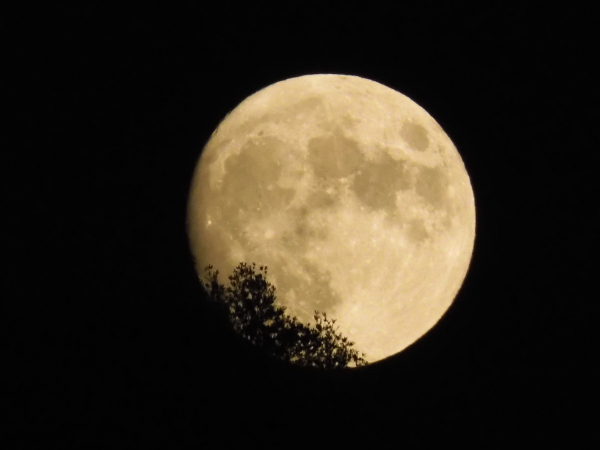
<point x="351" y="194"/>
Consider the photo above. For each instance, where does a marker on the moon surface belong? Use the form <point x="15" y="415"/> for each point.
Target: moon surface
<point x="352" y="195"/>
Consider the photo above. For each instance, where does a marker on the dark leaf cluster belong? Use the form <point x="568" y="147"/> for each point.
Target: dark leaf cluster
<point x="249" y="301"/>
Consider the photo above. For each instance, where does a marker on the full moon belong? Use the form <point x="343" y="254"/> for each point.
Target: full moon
<point x="352" y="195"/>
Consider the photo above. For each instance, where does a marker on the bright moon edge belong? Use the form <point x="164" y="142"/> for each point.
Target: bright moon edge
<point x="351" y="194"/>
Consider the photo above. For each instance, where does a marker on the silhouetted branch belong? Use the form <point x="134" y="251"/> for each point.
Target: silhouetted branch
<point x="249" y="301"/>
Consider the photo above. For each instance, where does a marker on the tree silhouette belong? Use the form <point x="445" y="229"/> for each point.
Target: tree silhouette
<point x="249" y="301"/>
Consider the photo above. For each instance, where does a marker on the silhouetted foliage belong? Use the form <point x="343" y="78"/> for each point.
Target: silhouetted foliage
<point x="249" y="301"/>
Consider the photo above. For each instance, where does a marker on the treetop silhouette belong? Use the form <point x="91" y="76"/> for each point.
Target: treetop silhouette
<point x="249" y="301"/>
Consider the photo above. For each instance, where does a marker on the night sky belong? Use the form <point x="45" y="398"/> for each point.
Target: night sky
<point x="107" y="339"/>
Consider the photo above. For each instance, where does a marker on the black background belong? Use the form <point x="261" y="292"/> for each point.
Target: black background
<point x="106" y="337"/>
